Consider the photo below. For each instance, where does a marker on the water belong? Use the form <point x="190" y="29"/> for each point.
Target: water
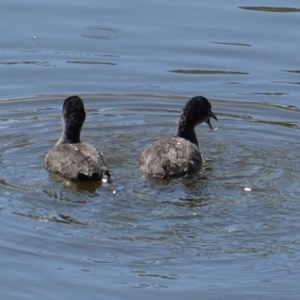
<point x="231" y="232"/>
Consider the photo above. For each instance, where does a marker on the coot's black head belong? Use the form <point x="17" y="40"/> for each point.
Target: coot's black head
<point x="73" y="116"/>
<point x="198" y="110"/>
<point x="73" y="109"/>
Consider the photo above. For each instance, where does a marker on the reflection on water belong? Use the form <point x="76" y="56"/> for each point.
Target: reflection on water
<point x="77" y="186"/>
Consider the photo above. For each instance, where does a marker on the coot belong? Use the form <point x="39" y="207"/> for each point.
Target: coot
<point x="179" y="155"/>
<point x="70" y="158"/>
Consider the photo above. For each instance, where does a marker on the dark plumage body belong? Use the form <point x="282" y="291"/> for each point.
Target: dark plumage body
<point x="70" y="158"/>
<point x="171" y="157"/>
<point x="178" y="155"/>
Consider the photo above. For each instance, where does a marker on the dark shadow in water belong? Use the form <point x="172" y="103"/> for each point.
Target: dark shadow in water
<point x="102" y="33"/>
<point x="144" y="273"/>
<point x="232" y="44"/>
<point x="271" y="9"/>
<point x="82" y="62"/>
<point x="207" y="72"/>
<point x="37" y="63"/>
<point x="282" y="124"/>
<point x="267" y="93"/>
<point x="292" y="71"/>
<point x="232" y="82"/>
<point x="286" y="82"/>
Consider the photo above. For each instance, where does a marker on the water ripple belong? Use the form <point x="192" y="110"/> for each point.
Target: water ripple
<point x="271" y="9"/>
<point x="102" y="33"/>
<point x="232" y="44"/>
<point x="84" y="62"/>
<point x="208" y="72"/>
<point x="251" y="171"/>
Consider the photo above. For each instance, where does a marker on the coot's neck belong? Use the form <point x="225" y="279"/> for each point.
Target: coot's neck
<point x="70" y="133"/>
<point x="186" y="130"/>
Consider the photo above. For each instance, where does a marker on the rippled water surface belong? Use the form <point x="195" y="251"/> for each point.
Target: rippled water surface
<point x="232" y="231"/>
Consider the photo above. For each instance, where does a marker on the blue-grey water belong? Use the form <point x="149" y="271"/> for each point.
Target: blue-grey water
<point x="231" y="232"/>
